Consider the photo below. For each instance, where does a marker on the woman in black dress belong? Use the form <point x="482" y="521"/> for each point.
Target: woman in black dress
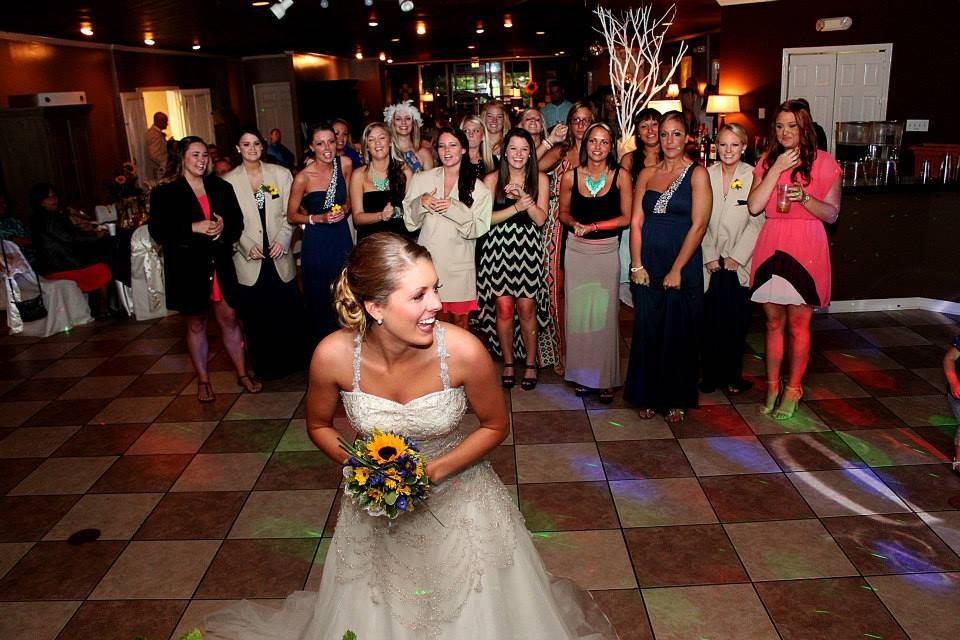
<point x="196" y="219"/>
<point x="377" y="187"/>
<point x="270" y="304"/>
<point x="670" y="214"/>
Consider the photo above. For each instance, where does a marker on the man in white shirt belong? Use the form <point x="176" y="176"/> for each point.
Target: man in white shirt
<point x="156" y="147"/>
<point x="555" y="111"/>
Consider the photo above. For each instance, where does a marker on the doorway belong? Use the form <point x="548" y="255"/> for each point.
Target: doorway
<point x="842" y="84"/>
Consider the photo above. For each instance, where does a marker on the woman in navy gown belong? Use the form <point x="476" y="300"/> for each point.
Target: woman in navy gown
<point x="321" y="191"/>
<point x="671" y="209"/>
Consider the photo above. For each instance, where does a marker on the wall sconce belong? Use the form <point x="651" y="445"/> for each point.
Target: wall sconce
<point x="673" y="90"/>
<point x="834" y="24"/>
<point x="723" y="105"/>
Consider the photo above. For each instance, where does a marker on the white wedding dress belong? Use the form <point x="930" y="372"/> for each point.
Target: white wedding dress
<point x="475" y="577"/>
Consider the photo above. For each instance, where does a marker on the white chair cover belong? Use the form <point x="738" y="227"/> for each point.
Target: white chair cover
<point x="105" y="213"/>
<point x="146" y="276"/>
<point x="66" y="305"/>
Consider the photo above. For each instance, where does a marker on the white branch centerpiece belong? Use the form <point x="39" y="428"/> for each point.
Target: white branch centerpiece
<point x="634" y="41"/>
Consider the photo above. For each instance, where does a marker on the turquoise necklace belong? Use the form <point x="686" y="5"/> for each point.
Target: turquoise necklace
<point x="595" y="186"/>
<point x="380" y="184"/>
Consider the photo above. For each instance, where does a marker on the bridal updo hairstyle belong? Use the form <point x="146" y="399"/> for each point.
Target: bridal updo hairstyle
<point x="373" y="272"/>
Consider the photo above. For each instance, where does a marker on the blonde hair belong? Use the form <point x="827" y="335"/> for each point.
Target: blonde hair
<point x="372" y="273"/>
<point x="491" y="140"/>
<point x="366" y="132"/>
<point x="486" y="156"/>
<point x="390" y="113"/>
<point x="543" y="123"/>
<point x="736" y="130"/>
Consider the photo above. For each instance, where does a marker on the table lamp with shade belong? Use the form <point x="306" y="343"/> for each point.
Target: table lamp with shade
<point x="722" y="105"/>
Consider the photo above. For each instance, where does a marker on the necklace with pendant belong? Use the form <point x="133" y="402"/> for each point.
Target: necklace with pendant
<point x="595" y="186"/>
<point x="380" y="184"/>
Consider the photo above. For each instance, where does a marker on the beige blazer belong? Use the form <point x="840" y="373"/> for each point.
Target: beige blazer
<point x="278" y="229"/>
<point x="732" y="231"/>
<point x="155" y="143"/>
<point x="451" y="236"/>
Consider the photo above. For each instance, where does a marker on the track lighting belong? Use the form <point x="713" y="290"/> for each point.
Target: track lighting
<point x="280" y="9"/>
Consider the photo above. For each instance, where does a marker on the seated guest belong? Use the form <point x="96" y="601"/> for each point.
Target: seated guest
<point x="13" y="229"/>
<point x="197" y="221"/>
<point x="277" y="153"/>
<point x="64" y="251"/>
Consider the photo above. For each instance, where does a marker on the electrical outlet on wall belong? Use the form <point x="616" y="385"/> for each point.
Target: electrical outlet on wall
<point x="918" y="125"/>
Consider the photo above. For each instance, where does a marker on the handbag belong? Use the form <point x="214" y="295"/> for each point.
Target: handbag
<point x="32" y="308"/>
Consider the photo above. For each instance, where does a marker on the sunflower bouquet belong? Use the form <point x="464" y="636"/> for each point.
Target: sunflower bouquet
<point x="385" y="474"/>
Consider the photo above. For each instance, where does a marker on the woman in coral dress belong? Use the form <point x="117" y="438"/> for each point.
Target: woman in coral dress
<point x="790" y="274"/>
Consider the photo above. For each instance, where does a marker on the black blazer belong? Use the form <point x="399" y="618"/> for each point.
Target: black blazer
<point x="60" y="246"/>
<point x="190" y="259"/>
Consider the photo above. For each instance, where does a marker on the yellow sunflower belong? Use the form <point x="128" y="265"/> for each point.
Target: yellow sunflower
<point x="375" y="494"/>
<point x="403" y="490"/>
<point x="386" y="447"/>
<point x="361" y="474"/>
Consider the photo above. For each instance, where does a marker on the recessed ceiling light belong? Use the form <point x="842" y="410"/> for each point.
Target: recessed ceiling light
<point x="406" y="5"/>
<point x="480" y="28"/>
<point x="196" y="47"/>
<point x="540" y="33"/>
<point x="394" y="39"/>
<point x="471" y="46"/>
<point x="421" y="27"/>
<point x="383" y="56"/>
<point x="389" y="60"/>
<point x="86" y="29"/>
<point x="260" y="3"/>
<point x="507" y="21"/>
<point x="359" y="55"/>
<point x="148" y="40"/>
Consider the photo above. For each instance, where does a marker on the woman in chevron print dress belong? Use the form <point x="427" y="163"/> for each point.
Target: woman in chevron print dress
<point x="510" y="277"/>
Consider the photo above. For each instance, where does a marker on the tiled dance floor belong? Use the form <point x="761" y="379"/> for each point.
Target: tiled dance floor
<point x="843" y="522"/>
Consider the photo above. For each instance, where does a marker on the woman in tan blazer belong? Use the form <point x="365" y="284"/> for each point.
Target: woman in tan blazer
<point x="451" y="208"/>
<point x="271" y="307"/>
<point x="727" y="253"/>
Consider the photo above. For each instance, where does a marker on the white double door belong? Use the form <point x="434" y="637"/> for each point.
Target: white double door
<point x="842" y="84"/>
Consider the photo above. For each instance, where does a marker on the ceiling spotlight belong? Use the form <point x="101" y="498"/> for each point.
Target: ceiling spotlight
<point x="474" y="62"/>
<point x="149" y="41"/>
<point x="372" y="20"/>
<point x="480" y="28"/>
<point x="383" y="56"/>
<point x="86" y="29"/>
<point x="368" y="3"/>
<point x="324" y="4"/>
<point x="541" y="33"/>
<point x="406" y="5"/>
<point x="359" y="54"/>
<point x="389" y="60"/>
<point x="260" y="3"/>
<point x="471" y="46"/>
<point x="280" y="9"/>
<point x="421" y="27"/>
<point x="507" y="21"/>
<point x="196" y="46"/>
<point x="394" y="39"/>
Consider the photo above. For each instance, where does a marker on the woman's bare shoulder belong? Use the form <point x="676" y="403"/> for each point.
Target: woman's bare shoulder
<point x="334" y="355"/>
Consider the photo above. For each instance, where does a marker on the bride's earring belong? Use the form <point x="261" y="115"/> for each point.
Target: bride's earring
<point x="379" y="321"/>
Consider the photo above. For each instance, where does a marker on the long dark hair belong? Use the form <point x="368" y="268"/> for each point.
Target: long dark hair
<point x="38" y="193"/>
<point x="531" y="173"/>
<point x="611" y="155"/>
<point x="398" y="181"/>
<point x="582" y="104"/>
<point x="808" y="140"/>
<point x="467" y="180"/>
<point x="639" y="155"/>
<point x="182" y="147"/>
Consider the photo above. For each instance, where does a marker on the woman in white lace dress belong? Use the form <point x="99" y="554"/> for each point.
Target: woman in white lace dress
<point x="476" y="575"/>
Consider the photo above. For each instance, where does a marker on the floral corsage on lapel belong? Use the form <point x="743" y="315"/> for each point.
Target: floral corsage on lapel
<point x="736" y="184"/>
<point x="270" y="189"/>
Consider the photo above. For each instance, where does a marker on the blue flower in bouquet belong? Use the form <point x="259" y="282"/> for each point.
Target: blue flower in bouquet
<point x="377" y="479"/>
<point x="402" y="503"/>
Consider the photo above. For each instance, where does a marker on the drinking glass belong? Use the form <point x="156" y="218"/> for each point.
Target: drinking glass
<point x="783" y="202"/>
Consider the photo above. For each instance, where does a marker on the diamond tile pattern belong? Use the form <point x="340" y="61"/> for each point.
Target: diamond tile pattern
<point x="843" y="522"/>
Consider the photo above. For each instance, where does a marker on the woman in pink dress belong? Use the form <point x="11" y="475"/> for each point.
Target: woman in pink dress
<point x="790" y="274"/>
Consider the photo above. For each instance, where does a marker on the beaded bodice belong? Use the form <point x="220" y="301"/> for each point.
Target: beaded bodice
<point x="432" y="420"/>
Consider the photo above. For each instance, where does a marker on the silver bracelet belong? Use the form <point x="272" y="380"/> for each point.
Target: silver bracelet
<point x="635" y="269"/>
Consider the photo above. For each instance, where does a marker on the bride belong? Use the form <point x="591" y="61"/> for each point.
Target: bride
<point x="469" y="573"/>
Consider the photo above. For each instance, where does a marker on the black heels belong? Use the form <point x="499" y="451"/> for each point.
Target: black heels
<point x="508" y="381"/>
<point x="529" y="384"/>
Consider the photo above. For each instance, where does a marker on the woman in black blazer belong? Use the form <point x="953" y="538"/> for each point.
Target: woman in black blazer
<point x="196" y="219"/>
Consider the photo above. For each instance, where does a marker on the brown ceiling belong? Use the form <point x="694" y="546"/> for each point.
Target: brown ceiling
<point x="234" y="27"/>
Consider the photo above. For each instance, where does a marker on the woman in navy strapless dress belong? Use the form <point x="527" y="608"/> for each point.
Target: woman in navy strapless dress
<point x="319" y="202"/>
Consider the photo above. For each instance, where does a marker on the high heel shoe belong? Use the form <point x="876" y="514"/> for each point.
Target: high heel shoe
<point x="508" y="381"/>
<point x="787" y="412"/>
<point x="773" y="397"/>
<point x="529" y="384"/>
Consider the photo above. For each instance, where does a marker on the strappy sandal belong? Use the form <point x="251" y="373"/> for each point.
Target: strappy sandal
<point x="786" y="414"/>
<point x="252" y="385"/>
<point x="771" y="403"/>
<point x="676" y="416"/>
<point x="646" y="414"/>
<point x="606" y="396"/>
<point x="581" y="391"/>
<point x="529" y="384"/>
<point x="205" y="392"/>
<point x="508" y="381"/>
